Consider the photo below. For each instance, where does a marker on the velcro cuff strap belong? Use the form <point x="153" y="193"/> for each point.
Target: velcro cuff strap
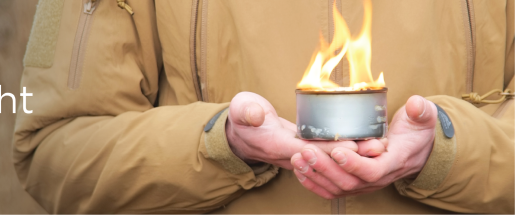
<point x="218" y="148"/>
<point x="438" y="164"/>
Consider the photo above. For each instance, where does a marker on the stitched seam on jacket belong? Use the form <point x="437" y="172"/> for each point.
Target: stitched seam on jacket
<point x="469" y="39"/>
<point x="42" y="43"/>
<point x="342" y="205"/>
<point x="334" y="206"/>
<point x="472" y="23"/>
<point x="203" y="52"/>
<point x="193" y="49"/>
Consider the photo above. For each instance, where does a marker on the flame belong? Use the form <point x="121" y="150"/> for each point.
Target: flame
<point x="380" y="81"/>
<point x="358" y="52"/>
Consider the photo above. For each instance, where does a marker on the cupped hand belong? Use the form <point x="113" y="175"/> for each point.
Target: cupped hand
<point x="257" y="134"/>
<point x="345" y="172"/>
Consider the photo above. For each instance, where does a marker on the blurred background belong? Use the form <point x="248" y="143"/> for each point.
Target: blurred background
<point x="15" y="23"/>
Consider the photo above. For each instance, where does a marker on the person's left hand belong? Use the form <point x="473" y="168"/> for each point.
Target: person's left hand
<point x="409" y="143"/>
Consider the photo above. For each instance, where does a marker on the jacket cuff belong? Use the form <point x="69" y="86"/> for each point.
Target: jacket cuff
<point x="437" y="167"/>
<point x="219" y="150"/>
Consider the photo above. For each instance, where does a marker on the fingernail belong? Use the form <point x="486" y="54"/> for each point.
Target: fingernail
<point x="247" y="115"/>
<point x="340" y="158"/>
<point x="300" y="166"/>
<point x="384" y="141"/>
<point x="372" y="153"/>
<point x="309" y="155"/>
<point x="301" y="177"/>
<point x="423" y="104"/>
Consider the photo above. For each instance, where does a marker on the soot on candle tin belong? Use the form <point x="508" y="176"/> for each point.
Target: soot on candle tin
<point x="341" y="114"/>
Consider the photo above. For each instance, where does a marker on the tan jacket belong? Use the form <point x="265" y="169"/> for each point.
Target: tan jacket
<point x="120" y="103"/>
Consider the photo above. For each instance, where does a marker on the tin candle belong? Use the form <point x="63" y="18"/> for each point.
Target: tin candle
<point x="341" y="114"/>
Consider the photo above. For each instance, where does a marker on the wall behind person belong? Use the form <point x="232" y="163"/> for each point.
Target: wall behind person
<point x="16" y="18"/>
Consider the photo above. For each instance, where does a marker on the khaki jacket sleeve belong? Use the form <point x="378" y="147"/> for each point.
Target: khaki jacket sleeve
<point x="474" y="171"/>
<point x="95" y="143"/>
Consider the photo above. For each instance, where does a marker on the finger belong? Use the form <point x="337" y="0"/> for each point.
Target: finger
<point x="292" y="145"/>
<point x="247" y="109"/>
<point x="327" y="167"/>
<point x="288" y="125"/>
<point x="320" y="191"/>
<point x="371" y="148"/>
<point x="285" y="164"/>
<point x="385" y="142"/>
<point x="368" y="169"/>
<point x="420" y="111"/>
<point x="398" y="115"/>
<point x="312" y="186"/>
<point x="250" y="114"/>
<point x="328" y="146"/>
<point x="302" y="167"/>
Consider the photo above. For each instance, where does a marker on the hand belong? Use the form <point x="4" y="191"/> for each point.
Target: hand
<point x="257" y="134"/>
<point x="409" y="143"/>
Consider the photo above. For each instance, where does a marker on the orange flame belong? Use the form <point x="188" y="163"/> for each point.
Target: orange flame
<point x="358" y="52"/>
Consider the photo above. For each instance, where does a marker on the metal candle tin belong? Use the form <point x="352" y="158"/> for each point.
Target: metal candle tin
<point x="341" y="115"/>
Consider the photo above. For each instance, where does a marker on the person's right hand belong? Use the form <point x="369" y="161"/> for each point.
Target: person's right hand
<point x="257" y="134"/>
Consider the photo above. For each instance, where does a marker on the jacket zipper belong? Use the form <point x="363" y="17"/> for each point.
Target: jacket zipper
<point x="193" y="50"/>
<point x="79" y="46"/>
<point x="471" y="44"/>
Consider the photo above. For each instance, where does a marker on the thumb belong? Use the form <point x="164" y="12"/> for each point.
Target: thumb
<point x="243" y="111"/>
<point x="420" y="110"/>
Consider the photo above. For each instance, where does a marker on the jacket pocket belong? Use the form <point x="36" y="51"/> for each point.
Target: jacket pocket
<point x="80" y="44"/>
